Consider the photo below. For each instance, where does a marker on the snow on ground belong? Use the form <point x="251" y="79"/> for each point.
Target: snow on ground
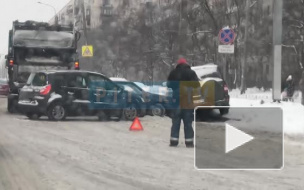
<point x="293" y="112"/>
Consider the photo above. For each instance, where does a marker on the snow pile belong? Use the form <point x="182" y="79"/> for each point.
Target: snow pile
<point x="260" y="94"/>
<point x="252" y="93"/>
<point x="293" y="113"/>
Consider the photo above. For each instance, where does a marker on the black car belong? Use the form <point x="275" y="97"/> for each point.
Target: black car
<point x="58" y="94"/>
<point x="155" y="103"/>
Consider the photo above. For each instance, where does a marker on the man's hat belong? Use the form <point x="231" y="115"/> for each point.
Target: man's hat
<point x="182" y="61"/>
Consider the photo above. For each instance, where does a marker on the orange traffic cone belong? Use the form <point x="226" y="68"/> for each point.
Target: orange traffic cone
<point x="136" y="125"/>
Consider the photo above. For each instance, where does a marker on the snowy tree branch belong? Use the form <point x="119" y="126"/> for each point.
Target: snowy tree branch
<point x="198" y="32"/>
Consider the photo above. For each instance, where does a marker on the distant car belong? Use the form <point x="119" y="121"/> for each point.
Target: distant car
<point x="155" y="89"/>
<point x="215" y="91"/>
<point x="4" y="88"/>
<point x="154" y="103"/>
<point x="58" y="94"/>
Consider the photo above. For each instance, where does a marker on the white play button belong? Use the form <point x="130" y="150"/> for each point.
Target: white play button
<point x="235" y="138"/>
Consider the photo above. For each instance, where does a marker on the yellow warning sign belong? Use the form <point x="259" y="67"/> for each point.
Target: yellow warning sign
<point x="87" y="51"/>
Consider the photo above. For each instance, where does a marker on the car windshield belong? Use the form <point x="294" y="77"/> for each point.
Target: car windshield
<point x="130" y="87"/>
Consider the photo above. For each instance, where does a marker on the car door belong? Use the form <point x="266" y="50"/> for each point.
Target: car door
<point x="104" y="93"/>
<point x="78" y="93"/>
<point x="60" y="87"/>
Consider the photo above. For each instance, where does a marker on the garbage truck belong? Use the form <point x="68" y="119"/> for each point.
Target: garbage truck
<point x="38" y="46"/>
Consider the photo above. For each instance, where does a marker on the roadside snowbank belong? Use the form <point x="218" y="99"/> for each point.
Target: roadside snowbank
<point x="293" y="113"/>
<point x="260" y="94"/>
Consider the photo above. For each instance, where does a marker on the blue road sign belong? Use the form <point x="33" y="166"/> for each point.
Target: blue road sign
<point x="227" y="36"/>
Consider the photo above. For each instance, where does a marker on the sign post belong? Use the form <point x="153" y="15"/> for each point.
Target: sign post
<point x="226" y="38"/>
<point x="226" y="46"/>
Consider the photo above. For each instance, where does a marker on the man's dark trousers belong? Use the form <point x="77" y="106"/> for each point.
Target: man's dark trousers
<point x="185" y="115"/>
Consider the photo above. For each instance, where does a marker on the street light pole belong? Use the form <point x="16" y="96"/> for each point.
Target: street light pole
<point x="180" y="27"/>
<point x="84" y="23"/>
<point x="56" y="17"/>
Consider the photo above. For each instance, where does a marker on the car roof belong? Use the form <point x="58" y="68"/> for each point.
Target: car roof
<point x="126" y="82"/>
<point x="70" y="71"/>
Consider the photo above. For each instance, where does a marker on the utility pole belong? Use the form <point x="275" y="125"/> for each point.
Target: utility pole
<point x="180" y="32"/>
<point x="277" y="49"/>
<point x="244" y="62"/>
<point x="84" y="23"/>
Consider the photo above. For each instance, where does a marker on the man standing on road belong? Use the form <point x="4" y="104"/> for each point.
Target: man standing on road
<point x="181" y="78"/>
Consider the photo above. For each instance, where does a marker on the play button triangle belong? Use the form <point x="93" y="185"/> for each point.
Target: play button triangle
<point x="235" y="138"/>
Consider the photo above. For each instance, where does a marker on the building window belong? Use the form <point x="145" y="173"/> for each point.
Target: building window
<point x="107" y="10"/>
<point x="106" y="2"/>
<point x="268" y="10"/>
<point x="125" y="3"/>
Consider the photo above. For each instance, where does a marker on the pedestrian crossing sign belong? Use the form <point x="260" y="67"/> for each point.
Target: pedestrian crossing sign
<point x="87" y="51"/>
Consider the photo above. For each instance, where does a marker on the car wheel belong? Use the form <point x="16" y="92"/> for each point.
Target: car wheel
<point x="158" y="110"/>
<point x="12" y="106"/>
<point x="33" y="116"/>
<point x="224" y="111"/>
<point x="130" y="113"/>
<point x="56" y="112"/>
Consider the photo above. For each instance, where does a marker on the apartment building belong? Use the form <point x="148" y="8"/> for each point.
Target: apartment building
<point x="65" y="15"/>
<point x="97" y="11"/>
<point x="71" y="13"/>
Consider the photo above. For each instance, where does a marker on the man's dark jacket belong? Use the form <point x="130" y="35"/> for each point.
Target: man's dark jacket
<point x="182" y="76"/>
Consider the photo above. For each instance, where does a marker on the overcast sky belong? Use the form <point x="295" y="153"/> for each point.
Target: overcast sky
<point x="22" y="10"/>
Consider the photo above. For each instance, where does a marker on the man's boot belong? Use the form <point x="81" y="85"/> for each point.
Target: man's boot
<point x="173" y="143"/>
<point x="189" y="144"/>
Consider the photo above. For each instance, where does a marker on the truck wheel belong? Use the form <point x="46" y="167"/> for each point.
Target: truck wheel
<point x="56" y="112"/>
<point x="158" y="110"/>
<point x="129" y="113"/>
<point x="224" y="111"/>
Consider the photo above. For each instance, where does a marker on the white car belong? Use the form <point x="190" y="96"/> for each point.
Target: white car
<point x="155" y="89"/>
